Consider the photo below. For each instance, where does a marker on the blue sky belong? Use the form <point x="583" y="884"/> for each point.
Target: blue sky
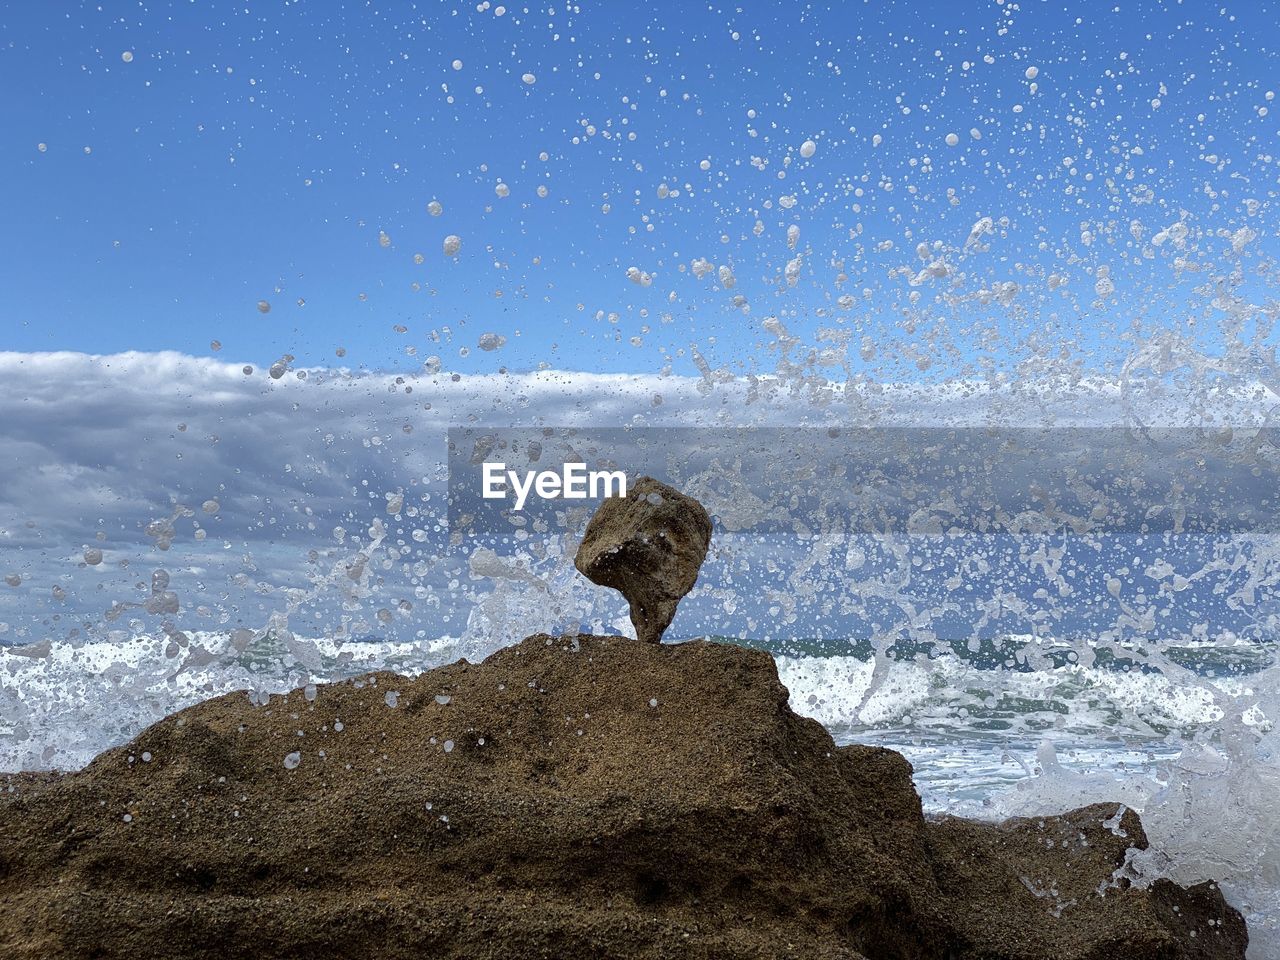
<point x="258" y="151"/>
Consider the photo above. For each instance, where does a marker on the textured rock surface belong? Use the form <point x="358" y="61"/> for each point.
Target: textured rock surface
<point x="610" y="799"/>
<point x="648" y="545"/>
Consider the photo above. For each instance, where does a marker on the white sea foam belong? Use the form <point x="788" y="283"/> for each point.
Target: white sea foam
<point x="62" y="703"/>
<point x="948" y="694"/>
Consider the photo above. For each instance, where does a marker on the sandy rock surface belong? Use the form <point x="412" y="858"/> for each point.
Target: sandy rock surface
<point x="600" y="797"/>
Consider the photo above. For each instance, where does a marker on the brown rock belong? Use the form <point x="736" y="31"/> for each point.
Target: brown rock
<point x="649" y="546"/>
<point x="613" y="800"/>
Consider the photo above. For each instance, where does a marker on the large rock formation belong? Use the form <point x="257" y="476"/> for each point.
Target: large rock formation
<point x="648" y="545"/>
<point x="604" y="798"/>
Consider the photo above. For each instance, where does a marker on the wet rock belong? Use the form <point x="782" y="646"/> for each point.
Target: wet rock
<point x="558" y="801"/>
<point x="649" y="546"/>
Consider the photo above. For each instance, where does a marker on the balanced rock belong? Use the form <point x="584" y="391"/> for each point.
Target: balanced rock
<point x="649" y="546"/>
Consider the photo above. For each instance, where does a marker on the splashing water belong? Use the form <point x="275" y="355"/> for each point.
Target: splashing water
<point x="973" y="363"/>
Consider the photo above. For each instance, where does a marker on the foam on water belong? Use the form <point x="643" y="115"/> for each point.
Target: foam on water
<point x="62" y="704"/>
<point x="848" y="693"/>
